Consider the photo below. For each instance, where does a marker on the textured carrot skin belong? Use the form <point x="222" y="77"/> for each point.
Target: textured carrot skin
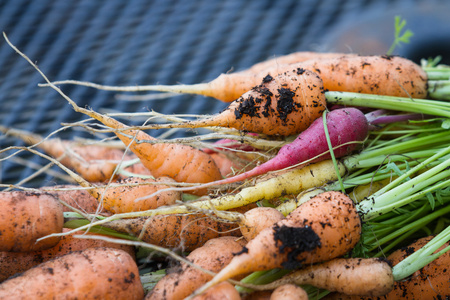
<point x="430" y="282"/>
<point x="222" y="291"/>
<point x="26" y="217"/>
<point x="382" y="75"/>
<point x="184" y="231"/>
<point x="15" y="262"/>
<point x="94" y="273"/>
<point x="130" y="195"/>
<point x="289" y="292"/>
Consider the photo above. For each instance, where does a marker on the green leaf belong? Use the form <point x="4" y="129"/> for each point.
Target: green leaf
<point x="399" y="37"/>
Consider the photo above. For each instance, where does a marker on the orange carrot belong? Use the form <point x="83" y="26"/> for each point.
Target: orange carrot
<point x="182" y="281"/>
<point x="323" y="228"/>
<point x="222" y="291"/>
<point x="430" y="282"/>
<point x="126" y="195"/>
<point x="15" y="262"/>
<point x="227" y="87"/>
<point x="185" y="231"/>
<point x="382" y="75"/>
<point x="26" y="217"/>
<point x="74" y="196"/>
<point x="352" y="276"/>
<point x="289" y="292"/>
<point x="257" y="219"/>
<point x="94" y="273"/>
<point x="95" y="163"/>
<point x="180" y="162"/>
<point x="292" y="58"/>
<point x="281" y="105"/>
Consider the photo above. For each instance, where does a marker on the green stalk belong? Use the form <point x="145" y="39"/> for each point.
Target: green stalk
<point x="389" y="197"/>
<point x="424" y="106"/>
<point x="437" y="73"/>
<point x="424" y="142"/>
<point x="439" y="89"/>
<point x="410" y="228"/>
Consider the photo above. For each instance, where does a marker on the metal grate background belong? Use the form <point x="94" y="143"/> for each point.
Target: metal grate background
<point x="140" y="42"/>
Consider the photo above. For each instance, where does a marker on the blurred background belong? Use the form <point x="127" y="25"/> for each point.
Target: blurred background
<point x="139" y="42"/>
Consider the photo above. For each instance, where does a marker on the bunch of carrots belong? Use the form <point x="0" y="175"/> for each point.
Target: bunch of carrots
<point x="327" y="177"/>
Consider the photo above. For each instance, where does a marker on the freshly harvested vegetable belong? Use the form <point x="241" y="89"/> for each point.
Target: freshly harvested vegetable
<point x="120" y="197"/>
<point x="370" y="277"/>
<point x="429" y="282"/>
<point x="95" y="163"/>
<point x="74" y="196"/>
<point x="27" y="216"/>
<point x="280" y="105"/>
<point x="227" y="87"/>
<point x="185" y="231"/>
<point x="16" y="262"/>
<point x="180" y="162"/>
<point x="289" y="292"/>
<point x="291" y="58"/>
<point x="182" y="281"/>
<point x="94" y="273"/>
<point x="323" y="228"/>
<point x="257" y="219"/>
<point x="378" y="75"/>
<point x="222" y="291"/>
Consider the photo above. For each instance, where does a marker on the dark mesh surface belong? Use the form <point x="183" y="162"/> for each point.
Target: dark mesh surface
<point x="140" y="42"/>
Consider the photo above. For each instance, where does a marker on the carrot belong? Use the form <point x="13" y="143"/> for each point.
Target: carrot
<point x="182" y="281"/>
<point x="95" y="163"/>
<point x="257" y="219"/>
<point x="125" y="196"/>
<point x="289" y="292"/>
<point x="222" y="291"/>
<point x="227" y="87"/>
<point x="347" y="127"/>
<point x="180" y="162"/>
<point x="94" y="273"/>
<point x="26" y="217"/>
<point x="380" y="75"/>
<point x="122" y="196"/>
<point x="282" y="105"/>
<point x="430" y="282"/>
<point x="352" y="276"/>
<point x="291" y="58"/>
<point x="323" y="228"/>
<point x="74" y="196"/>
<point x="186" y="231"/>
<point x="15" y="262"/>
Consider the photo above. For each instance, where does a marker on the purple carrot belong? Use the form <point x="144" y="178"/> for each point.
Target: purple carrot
<point x="345" y="125"/>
